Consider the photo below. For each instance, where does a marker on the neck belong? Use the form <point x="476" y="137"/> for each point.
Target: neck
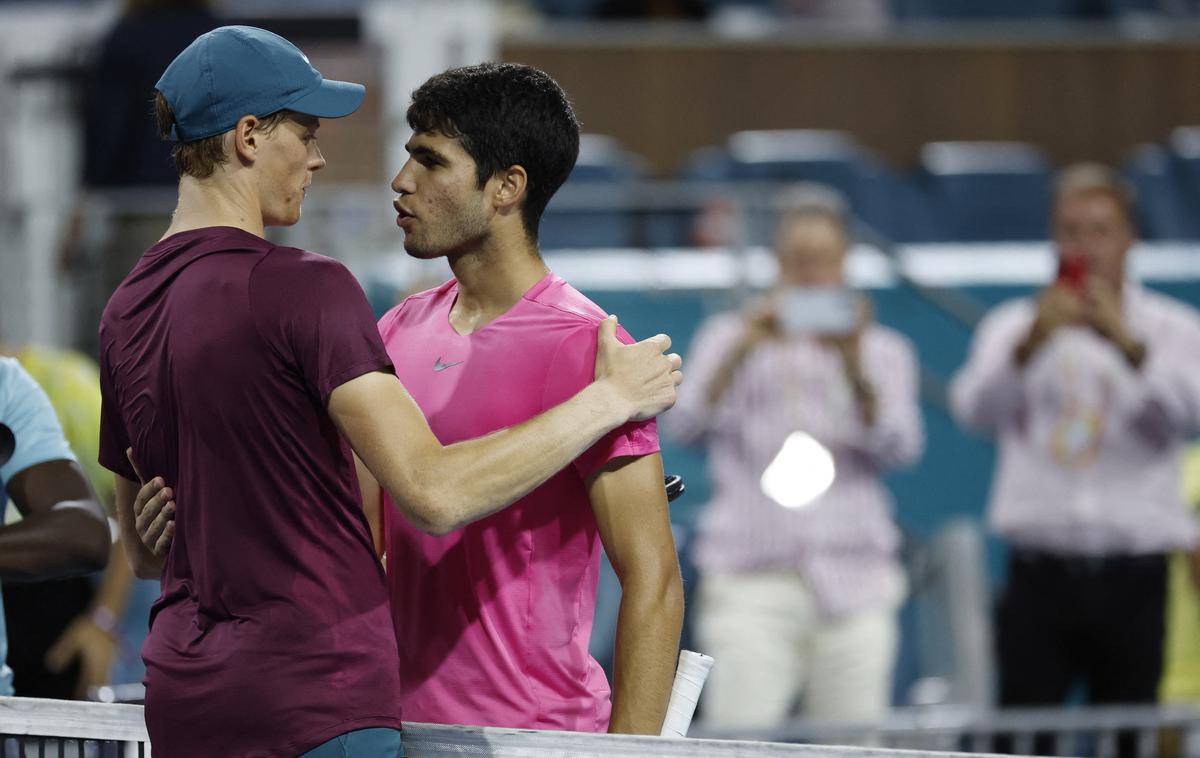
<point x="491" y="280"/>
<point x="214" y="202"/>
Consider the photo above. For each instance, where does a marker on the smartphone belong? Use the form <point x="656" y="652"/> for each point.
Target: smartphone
<point x="1073" y="271"/>
<point x="818" y="310"/>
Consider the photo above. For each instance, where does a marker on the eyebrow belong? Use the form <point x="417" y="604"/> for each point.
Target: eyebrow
<point x="423" y="151"/>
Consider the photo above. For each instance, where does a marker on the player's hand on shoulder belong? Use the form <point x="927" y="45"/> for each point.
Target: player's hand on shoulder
<point x="643" y="375"/>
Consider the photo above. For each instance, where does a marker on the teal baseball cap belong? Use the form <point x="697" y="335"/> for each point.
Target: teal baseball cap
<point x="236" y="71"/>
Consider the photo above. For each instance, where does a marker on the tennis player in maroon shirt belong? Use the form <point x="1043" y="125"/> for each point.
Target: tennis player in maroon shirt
<point x="239" y="370"/>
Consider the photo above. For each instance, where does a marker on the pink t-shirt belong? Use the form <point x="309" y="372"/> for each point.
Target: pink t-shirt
<point x="493" y="621"/>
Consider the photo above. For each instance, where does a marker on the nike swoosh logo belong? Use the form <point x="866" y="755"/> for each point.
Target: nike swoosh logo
<point x="439" y="366"/>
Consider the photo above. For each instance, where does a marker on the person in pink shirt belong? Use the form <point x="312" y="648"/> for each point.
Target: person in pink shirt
<point x="245" y="373"/>
<point x="493" y="620"/>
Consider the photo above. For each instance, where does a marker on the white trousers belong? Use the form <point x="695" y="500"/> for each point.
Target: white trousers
<point x="772" y="649"/>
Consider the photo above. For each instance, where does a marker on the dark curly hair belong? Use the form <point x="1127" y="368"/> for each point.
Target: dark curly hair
<point x="504" y="114"/>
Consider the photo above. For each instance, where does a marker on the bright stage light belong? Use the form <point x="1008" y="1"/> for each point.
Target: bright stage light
<point x="801" y="472"/>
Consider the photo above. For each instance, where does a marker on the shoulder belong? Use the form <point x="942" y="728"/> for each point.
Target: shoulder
<point x="416" y="308"/>
<point x="294" y="262"/>
<point x="16" y="384"/>
<point x="889" y="340"/>
<point x="290" y="280"/>
<point x="418" y="302"/>
<point x="25" y="408"/>
<point x="1167" y="311"/>
<point x="23" y="402"/>
<point x="566" y="316"/>
<point x="558" y="330"/>
<point x="1011" y="315"/>
<point x="563" y="304"/>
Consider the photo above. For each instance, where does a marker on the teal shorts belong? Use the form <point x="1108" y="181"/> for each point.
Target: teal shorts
<point x="362" y="743"/>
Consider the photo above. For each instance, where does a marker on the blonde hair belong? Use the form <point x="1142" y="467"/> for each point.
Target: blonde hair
<point x="201" y="157"/>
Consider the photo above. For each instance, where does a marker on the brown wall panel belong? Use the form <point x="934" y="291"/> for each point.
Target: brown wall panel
<point x="1076" y="100"/>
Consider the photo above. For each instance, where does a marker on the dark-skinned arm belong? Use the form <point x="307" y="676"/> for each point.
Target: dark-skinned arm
<point x="63" y="530"/>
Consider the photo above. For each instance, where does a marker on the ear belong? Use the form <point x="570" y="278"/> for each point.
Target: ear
<point x="509" y="191"/>
<point x="245" y="139"/>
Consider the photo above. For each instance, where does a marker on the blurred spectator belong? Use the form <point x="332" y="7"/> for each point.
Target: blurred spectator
<point x="63" y="530"/>
<point x="801" y="414"/>
<point x="122" y="152"/>
<point x="1091" y="389"/>
<point x="64" y="635"/>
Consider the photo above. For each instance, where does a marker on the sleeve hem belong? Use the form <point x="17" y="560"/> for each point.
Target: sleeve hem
<point x="124" y="470"/>
<point x="353" y="372"/>
<point x="624" y="449"/>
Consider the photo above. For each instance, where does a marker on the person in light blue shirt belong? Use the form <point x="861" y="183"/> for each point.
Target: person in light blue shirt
<point x="63" y="529"/>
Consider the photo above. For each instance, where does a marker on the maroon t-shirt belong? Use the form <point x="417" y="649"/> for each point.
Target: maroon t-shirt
<point x="272" y="634"/>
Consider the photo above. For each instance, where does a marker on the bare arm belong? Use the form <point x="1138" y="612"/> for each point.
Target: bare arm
<point x="91" y="638"/>
<point x="631" y="512"/>
<point x="372" y="500"/>
<point x="440" y="489"/>
<point x="63" y="530"/>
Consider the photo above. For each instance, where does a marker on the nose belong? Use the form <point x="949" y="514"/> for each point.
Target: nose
<point x="317" y="161"/>
<point x="402" y="183"/>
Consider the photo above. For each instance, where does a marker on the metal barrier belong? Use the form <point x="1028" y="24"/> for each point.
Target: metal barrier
<point x="40" y="728"/>
<point x="1152" y="731"/>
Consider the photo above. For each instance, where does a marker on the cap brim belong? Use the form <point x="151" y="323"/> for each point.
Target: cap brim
<point x="331" y="99"/>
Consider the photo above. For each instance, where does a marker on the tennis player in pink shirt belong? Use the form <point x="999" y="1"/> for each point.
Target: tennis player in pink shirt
<point x="493" y="620"/>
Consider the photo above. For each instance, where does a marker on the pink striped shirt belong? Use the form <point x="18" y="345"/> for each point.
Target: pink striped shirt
<point x="844" y="544"/>
<point x="1089" y="448"/>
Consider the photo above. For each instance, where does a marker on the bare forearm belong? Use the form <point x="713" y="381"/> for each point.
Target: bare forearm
<point x="466" y="481"/>
<point x="647" y="647"/>
<point x="440" y="488"/>
<point x="145" y="564"/>
<point x="372" y="502"/>
<point x="113" y="594"/>
<point x="62" y="542"/>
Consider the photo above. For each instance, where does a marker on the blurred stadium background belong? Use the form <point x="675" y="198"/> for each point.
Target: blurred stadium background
<point x="940" y="121"/>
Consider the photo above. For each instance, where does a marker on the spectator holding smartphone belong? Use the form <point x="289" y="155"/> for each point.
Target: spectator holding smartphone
<point x="1091" y="389"/>
<point x="800" y="580"/>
